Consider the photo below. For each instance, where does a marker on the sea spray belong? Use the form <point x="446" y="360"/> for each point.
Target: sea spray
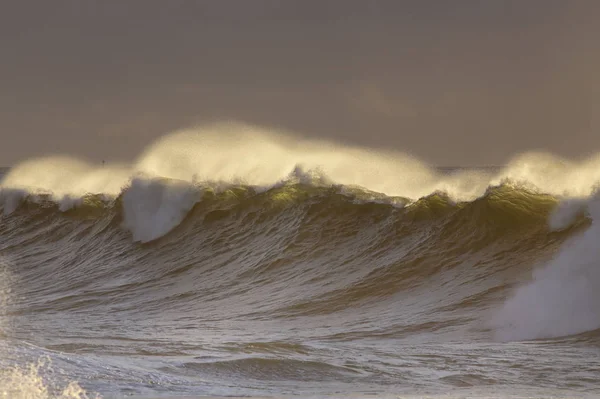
<point x="562" y="298"/>
<point x="34" y="381"/>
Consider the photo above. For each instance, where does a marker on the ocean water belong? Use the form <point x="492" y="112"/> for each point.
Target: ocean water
<point x="232" y="261"/>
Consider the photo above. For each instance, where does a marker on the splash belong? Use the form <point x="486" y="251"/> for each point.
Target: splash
<point x="28" y="383"/>
<point x="562" y="298"/>
<point x="567" y="213"/>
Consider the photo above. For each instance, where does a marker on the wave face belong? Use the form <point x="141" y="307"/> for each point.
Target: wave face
<point x="218" y="264"/>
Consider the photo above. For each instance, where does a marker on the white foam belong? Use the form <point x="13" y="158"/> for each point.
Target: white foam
<point x="567" y="212"/>
<point x="563" y="296"/>
<point x="28" y="383"/>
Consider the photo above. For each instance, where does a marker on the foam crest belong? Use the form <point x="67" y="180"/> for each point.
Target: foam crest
<point x="553" y="175"/>
<point x="562" y="298"/>
<point x="65" y="178"/>
<point x="239" y="153"/>
<point x="231" y="153"/>
<point x="254" y="156"/>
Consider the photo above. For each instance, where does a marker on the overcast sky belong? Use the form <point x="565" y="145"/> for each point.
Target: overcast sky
<point x="462" y="82"/>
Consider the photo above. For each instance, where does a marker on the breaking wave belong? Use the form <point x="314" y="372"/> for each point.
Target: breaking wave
<point x="234" y="222"/>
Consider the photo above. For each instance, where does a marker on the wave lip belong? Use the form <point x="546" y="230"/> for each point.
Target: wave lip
<point x="153" y="207"/>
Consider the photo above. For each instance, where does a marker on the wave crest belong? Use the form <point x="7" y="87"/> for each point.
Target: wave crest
<point x="242" y="154"/>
